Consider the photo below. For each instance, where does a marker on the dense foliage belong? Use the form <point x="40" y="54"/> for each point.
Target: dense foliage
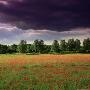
<point x="71" y="46"/>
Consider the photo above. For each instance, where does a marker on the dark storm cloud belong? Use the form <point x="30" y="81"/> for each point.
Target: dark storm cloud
<point x="46" y="14"/>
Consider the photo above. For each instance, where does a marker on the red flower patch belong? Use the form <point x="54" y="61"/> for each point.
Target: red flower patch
<point x="25" y="78"/>
<point x="58" y="72"/>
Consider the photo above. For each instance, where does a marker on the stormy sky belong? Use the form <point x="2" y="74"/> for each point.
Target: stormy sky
<point x="43" y="19"/>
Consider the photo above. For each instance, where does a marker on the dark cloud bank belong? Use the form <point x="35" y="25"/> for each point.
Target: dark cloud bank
<point x="57" y="15"/>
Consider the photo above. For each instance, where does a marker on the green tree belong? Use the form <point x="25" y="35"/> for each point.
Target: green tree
<point x="47" y="48"/>
<point x="55" y="46"/>
<point x="36" y="46"/>
<point x="39" y="46"/>
<point x="29" y="48"/>
<point x="32" y="48"/>
<point x="13" y="48"/>
<point x="77" y="44"/>
<point x="63" y="45"/>
<point x="42" y="46"/>
<point x="86" y="44"/>
<point x="22" y="47"/>
<point x="71" y="45"/>
<point x="0" y="49"/>
<point x="3" y="49"/>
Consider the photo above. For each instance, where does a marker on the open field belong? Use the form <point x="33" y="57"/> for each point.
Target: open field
<point x="45" y="72"/>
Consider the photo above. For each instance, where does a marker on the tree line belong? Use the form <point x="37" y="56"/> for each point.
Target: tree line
<point x="38" y="46"/>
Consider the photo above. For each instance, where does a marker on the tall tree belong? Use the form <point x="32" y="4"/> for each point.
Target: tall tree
<point x="63" y="45"/>
<point x="39" y="46"/>
<point x="22" y="48"/>
<point x="47" y="48"/>
<point x="14" y="48"/>
<point x="42" y="46"/>
<point x="30" y="48"/>
<point x="86" y="44"/>
<point x="71" y="45"/>
<point x="0" y="49"/>
<point x="3" y="49"/>
<point x="55" y="46"/>
<point x="36" y="46"/>
<point x="77" y="44"/>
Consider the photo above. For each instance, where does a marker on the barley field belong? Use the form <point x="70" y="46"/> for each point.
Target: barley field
<point x="45" y="72"/>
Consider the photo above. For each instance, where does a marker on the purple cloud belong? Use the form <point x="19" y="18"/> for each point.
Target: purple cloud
<point x="55" y="15"/>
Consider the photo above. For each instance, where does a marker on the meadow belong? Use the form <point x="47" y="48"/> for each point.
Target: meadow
<point x="45" y="72"/>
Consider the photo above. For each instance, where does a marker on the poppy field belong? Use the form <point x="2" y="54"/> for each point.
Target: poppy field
<point x="45" y="72"/>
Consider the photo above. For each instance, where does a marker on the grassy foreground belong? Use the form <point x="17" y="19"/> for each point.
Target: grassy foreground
<point x="45" y="72"/>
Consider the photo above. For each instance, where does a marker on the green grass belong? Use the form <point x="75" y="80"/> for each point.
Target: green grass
<point x="56" y="76"/>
